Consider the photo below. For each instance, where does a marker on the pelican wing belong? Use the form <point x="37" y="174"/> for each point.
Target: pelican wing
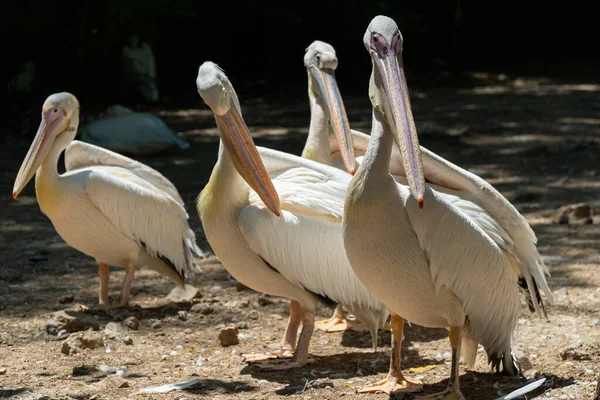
<point x="475" y="189"/>
<point x="143" y="213"/>
<point x="305" y="244"/>
<point x="466" y="260"/>
<point x="446" y="177"/>
<point x="80" y="155"/>
<point x="305" y="186"/>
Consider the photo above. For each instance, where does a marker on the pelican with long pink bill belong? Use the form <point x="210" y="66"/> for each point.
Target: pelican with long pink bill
<point x="436" y="255"/>
<point x="327" y="120"/>
<point x="274" y="221"/>
<point x="110" y="207"/>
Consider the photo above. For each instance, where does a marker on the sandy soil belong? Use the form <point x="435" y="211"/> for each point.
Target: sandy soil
<point x="537" y="141"/>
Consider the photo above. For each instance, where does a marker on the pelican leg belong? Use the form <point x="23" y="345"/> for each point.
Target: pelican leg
<point x="337" y="323"/>
<point x="129" y="272"/>
<point x="300" y="358"/>
<point x="288" y="343"/>
<point x="395" y="381"/>
<point x="103" y="292"/>
<point x="452" y="392"/>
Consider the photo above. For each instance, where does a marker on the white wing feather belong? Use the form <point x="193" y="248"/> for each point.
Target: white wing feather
<point x="449" y="178"/>
<point x="80" y="155"/>
<point x="143" y="213"/>
<point x="474" y="268"/>
<point x="305" y="244"/>
<point x="309" y="253"/>
<point x="475" y="189"/>
<point x="305" y="186"/>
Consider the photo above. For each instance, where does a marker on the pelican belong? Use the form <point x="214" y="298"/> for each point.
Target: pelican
<point x="432" y="257"/>
<point x="446" y="177"/>
<point x="327" y="113"/>
<point x="274" y="221"/>
<point x="126" y="131"/>
<point x="109" y="207"/>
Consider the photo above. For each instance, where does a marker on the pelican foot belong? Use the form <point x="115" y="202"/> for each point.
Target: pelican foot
<point x="447" y="394"/>
<point x="333" y="324"/>
<point x="283" y="364"/>
<point x="278" y="354"/>
<point x="393" y="384"/>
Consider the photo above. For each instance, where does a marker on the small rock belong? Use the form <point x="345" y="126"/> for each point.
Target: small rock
<point x="60" y="320"/>
<point x="157" y="324"/>
<point x="524" y="363"/>
<point x="2" y="371"/>
<point x="241" y="325"/>
<point x="127" y="340"/>
<point x="187" y="331"/>
<point x="240" y="286"/>
<point x="321" y="383"/>
<point x="574" y="214"/>
<point x="228" y="336"/>
<point x="263" y="300"/>
<point x="243" y="303"/>
<point x="82" y="340"/>
<point x="114" y="330"/>
<point x="110" y="382"/>
<point x="253" y="314"/>
<point x="182" y="315"/>
<point x="179" y="295"/>
<point x="202" y="308"/>
<point x="581" y="351"/>
<point x="132" y="323"/>
<point x="66" y="299"/>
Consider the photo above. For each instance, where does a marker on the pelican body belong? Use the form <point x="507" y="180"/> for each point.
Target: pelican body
<point x="432" y="257"/>
<point x="274" y="221"/>
<point x="109" y="207"/>
<point x="328" y="120"/>
<point x="132" y="132"/>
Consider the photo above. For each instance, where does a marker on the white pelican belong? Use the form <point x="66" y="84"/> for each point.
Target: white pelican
<point x="324" y="147"/>
<point x="109" y="207"/>
<point x="435" y="259"/>
<point x="131" y="133"/>
<point x="297" y="253"/>
<point x="327" y="113"/>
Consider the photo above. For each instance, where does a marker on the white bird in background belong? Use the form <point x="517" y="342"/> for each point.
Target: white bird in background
<point x="432" y="257"/>
<point x="130" y="132"/>
<point x="109" y="207"/>
<point x="292" y="248"/>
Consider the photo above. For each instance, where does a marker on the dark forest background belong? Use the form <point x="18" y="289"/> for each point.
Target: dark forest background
<point x="76" y="43"/>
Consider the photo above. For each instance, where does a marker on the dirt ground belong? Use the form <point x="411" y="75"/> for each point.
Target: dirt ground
<point x="536" y="140"/>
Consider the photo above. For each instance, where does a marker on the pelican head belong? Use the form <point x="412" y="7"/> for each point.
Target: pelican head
<point x="320" y="62"/>
<point x="217" y="92"/>
<point x="389" y="95"/>
<point x="60" y="116"/>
